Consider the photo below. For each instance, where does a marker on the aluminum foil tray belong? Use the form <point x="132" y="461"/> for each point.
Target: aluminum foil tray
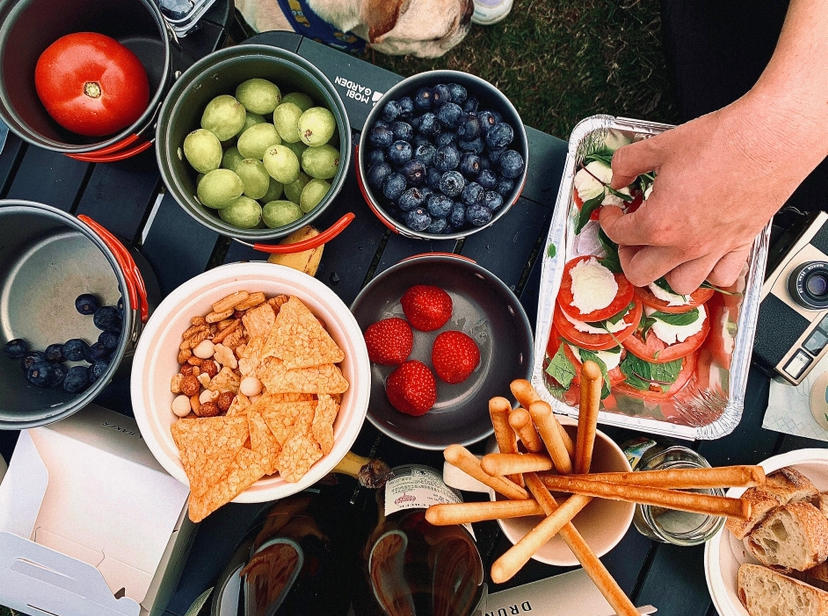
<point x="710" y="405"/>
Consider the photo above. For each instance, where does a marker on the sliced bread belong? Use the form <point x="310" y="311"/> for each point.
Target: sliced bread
<point x="765" y="592"/>
<point x="815" y="576"/>
<point x="794" y="536"/>
<point x="823" y="503"/>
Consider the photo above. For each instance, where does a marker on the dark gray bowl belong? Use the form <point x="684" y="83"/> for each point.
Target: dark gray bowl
<point x="485" y="309"/>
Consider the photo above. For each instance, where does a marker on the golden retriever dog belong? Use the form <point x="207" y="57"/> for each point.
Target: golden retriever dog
<point x="423" y="28"/>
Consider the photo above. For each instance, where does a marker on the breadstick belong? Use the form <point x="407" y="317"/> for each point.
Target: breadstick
<point x="684" y="478"/>
<point x="505" y="463"/>
<point x="670" y="499"/>
<point x="462" y="513"/>
<point x="521" y="423"/>
<point x="547" y="426"/>
<point x="525" y="394"/>
<point x="592" y="565"/>
<point x="467" y="462"/>
<point x="499" y="409"/>
<point x="591" y="383"/>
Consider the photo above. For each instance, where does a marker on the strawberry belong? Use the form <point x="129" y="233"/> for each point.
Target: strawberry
<point x="426" y="307"/>
<point x="411" y="388"/>
<point x="454" y="356"/>
<point x="389" y="341"/>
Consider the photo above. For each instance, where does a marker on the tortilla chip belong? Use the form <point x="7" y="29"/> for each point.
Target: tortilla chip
<point x="263" y="442"/>
<point x="287" y="418"/>
<point x="323" y="420"/>
<point x="207" y="447"/>
<point x="290" y="396"/>
<point x="281" y="431"/>
<point x="243" y="472"/>
<point x="239" y="405"/>
<point x="225" y="380"/>
<point x="277" y="378"/>
<point x="259" y="321"/>
<point x="298" y="454"/>
<point x="299" y="340"/>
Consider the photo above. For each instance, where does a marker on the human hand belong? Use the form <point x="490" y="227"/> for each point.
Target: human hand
<point x="719" y="179"/>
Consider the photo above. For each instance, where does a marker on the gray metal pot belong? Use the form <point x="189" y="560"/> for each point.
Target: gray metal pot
<point x="47" y="259"/>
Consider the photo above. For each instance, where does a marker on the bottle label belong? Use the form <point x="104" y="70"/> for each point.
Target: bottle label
<point x="416" y="487"/>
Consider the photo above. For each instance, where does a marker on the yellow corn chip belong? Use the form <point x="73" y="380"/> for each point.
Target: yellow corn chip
<point x="323" y="420"/>
<point x="259" y="321"/>
<point x="281" y="431"/>
<point x="243" y="472"/>
<point x="239" y="405"/>
<point x="298" y="454"/>
<point x="225" y="380"/>
<point x="263" y="442"/>
<point x="299" y="340"/>
<point x="277" y="378"/>
<point x="287" y="418"/>
<point x="207" y="446"/>
<point x="290" y="396"/>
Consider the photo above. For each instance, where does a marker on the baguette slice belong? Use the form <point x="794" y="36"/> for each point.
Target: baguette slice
<point x="794" y="536"/>
<point x="765" y="592"/>
<point x="823" y="503"/>
<point x="761" y="504"/>
<point x="815" y="576"/>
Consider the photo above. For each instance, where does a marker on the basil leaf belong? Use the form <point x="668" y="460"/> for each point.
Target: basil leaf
<point x="646" y="371"/>
<point x="634" y="381"/>
<point x="663" y="284"/>
<point x="604" y="155"/>
<point x="611" y="260"/>
<point x="593" y="356"/>
<point x="619" y="194"/>
<point x="586" y="211"/>
<point x="551" y="251"/>
<point x="646" y="324"/>
<point x="679" y="318"/>
<point x="620" y="315"/>
<point x="707" y="285"/>
<point x="561" y="369"/>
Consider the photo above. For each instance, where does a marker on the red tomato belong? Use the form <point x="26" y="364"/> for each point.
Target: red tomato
<point x="91" y="84"/>
<point x="655" y="392"/>
<point x="622" y="298"/>
<point x="656" y="351"/>
<point x="597" y="342"/>
<point x="697" y="297"/>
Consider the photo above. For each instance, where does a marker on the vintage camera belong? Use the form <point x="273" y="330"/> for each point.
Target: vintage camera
<point x="792" y="330"/>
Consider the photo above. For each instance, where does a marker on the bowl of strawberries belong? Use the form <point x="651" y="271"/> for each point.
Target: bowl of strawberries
<point x="443" y="336"/>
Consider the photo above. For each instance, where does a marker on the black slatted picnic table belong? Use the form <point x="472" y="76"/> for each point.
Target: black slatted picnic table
<point x="128" y="198"/>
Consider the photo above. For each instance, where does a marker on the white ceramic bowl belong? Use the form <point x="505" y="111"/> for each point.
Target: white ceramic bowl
<point x="156" y="362"/>
<point x="724" y="553"/>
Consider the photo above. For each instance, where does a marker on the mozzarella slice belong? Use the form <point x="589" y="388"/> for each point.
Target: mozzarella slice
<point x="611" y="199"/>
<point x="593" y="286"/>
<point x="671" y="334"/>
<point x="590" y="329"/>
<point x="672" y="299"/>
<point x="589" y="181"/>
<point x="610" y="359"/>
<point x="648" y="192"/>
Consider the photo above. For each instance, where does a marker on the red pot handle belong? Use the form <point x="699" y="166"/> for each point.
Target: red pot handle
<point x="136" y="289"/>
<point x="101" y="157"/>
<point x="440" y="254"/>
<point x="312" y="242"/>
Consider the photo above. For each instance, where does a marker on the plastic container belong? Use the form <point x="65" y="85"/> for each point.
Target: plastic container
<point x="711" y="404"/>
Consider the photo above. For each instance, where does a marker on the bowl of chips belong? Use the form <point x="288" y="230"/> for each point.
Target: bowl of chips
<point x="250" y="383"/>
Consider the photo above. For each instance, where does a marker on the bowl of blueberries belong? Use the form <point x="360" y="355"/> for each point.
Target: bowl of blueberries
<point x="443" y="154"/>
<point x="72" y="302"/>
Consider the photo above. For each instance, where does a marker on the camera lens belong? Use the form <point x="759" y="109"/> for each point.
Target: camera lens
<point x="808" y="284"/>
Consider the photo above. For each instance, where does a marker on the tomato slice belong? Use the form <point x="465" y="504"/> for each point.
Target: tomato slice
<point x="622" y="297"/>
<point x="655" y="392"/>
<point x="656" y="351"/>
<point x="597" y="342"/>
<point x="697" y="297"/>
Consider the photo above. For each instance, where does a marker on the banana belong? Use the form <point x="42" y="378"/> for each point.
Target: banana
<point x="306" y="261"/>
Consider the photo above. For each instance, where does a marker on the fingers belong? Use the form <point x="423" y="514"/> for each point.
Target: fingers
<point x="729" y="267"/>
<point x="644" y="264"/>
<point x="632" y="229"/>
<point x="687" y="277"/>
<point x="632" y="160"/>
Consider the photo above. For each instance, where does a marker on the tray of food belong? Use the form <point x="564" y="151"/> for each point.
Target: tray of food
<point x="673" y="364"/>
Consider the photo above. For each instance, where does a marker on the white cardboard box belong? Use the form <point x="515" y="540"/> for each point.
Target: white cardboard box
<point x="90" y="524"/>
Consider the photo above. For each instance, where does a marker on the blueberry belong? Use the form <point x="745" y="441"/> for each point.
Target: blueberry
<point x="375" y="155"/>
<point x="439" y="206"/>
<point x="423" y="100"/>
<point x="411" y="199"/>
<point x="414" y="172"/>
<point x="499" y="136"/>
<point x="475" y="145"/>
<point x="86" y="303"/>
<point x="429" y="126"/>
<point x="458" y="93"/>
<point x="391" y="111"/>
<point x="109" y="340"/>
<point x="446" y="158"/>
<point x="492" y="199"/>
<point x="417" y="220"/>
<point x="95" y="352"/>
<point x="449" y="114"/>
<point x="441" y="94"/>
<point x="16" y="348"/>
<point x="77" y="378"/>
<point x="485" y="163"/>
<point x="399" y="153"/>
<point x="38" y="374"/>
<point x="433" y="178"/>
<point x="468" y="127"/>
<point x="377" y="174"/>
<point x="380" y="137"/>
<point x="470" y="165"/>
<point x="504" y="186"/>
<point x="478" y="215"/>
<point x="496" y="115"/>
<point x="406" y="107"/>
<point x="457" y="216"/>
<point x="74" y="349"/>
<point x="446" y="138"/>
<point x="393" y="186"/>
<point x="107" y="318"/>
<point x="424" y="153"/>
<point x="438" y="225"/>
<point x="494" y="156"/>
<point x="54" y="352"/>
<point x="452" y="183"/>
<point x="381" y="124"/>
<point x="97" y="370"/>
<point x="31" y="358"/>
<point x="402" y="130"/>
<point x="487" y="179"/>
<point x="419" y="140"/>
<point x="470" y="106"/>
<point x="55" y="374"/>
<point x="511" y="164"/>
<point x="472" y="194"/>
